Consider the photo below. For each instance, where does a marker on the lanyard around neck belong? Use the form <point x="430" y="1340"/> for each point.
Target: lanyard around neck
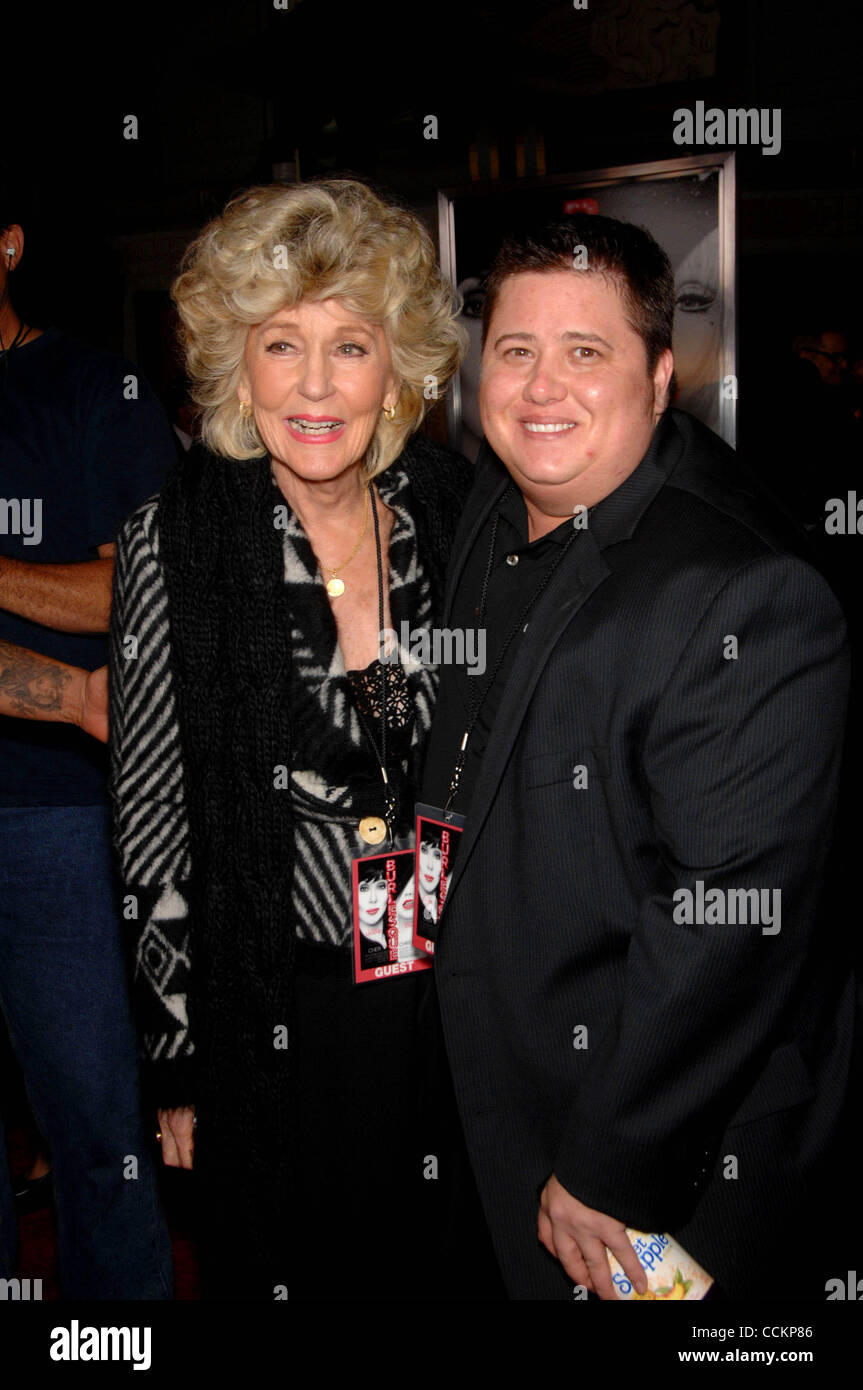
<point x="390" y="799"/>
<point x="478" y="695"/>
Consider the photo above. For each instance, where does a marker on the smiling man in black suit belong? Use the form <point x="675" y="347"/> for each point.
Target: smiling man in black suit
<point x="636" y="1037"/>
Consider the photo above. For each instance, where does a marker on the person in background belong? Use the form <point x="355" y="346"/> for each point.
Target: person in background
<point x="802" y="413"/>
<point x="827" y="350"/>
<point x="183" y="413"/>
<point x="82" y="442"/>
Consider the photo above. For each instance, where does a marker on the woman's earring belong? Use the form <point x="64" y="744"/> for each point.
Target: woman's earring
<point x="389" y="412"/>
<point x="245" y="409"/>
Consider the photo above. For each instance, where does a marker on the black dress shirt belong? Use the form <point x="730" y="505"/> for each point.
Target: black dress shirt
<point x="519" y="568"/>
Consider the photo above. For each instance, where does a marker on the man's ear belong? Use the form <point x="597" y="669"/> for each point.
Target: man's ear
<point x="662" y="374"/>
<point x="11" y="236"/>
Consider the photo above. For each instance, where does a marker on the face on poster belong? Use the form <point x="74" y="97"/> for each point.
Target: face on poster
<point x="683" y="216"/>
<point x="383" y="895"/>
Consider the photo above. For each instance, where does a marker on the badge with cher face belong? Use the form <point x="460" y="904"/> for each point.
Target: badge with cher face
<point x="383" y="893"/>
<point x="373" y="829"/>
<point x="437" y="837"/>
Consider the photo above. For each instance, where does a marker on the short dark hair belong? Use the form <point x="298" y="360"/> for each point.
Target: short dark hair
<point x="372" y="877"/>
<point x="628" y="254"/>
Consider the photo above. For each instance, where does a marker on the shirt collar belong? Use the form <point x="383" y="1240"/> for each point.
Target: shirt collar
<point x="513" y="510"/>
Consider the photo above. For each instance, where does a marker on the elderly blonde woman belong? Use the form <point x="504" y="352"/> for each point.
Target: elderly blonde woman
<point x="260" y="745"/>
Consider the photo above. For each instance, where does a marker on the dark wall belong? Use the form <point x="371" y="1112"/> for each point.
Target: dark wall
<point x="223" y="92"/>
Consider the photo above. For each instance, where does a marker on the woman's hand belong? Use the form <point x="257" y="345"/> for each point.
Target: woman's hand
<point x="178" y="1136"/>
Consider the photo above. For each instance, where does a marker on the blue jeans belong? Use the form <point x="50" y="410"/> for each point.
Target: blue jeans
<point x="64" y="994"/>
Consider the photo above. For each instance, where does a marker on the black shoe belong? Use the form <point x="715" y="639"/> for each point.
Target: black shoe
<point x="32" y="1194"/>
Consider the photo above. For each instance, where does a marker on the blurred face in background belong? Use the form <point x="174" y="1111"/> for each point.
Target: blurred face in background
<point x="830" y="356"/>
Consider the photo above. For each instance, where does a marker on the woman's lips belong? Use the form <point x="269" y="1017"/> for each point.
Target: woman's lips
<point x="314" y="429"/>
<point x="429" y="878"/>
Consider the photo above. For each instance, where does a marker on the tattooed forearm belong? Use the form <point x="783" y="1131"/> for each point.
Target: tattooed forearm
<point x="33" y="686"/>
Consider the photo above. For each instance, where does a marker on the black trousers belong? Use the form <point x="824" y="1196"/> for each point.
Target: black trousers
<point x="384" y="1205"/>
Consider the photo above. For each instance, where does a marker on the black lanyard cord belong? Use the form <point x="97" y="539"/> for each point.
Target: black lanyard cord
<point x="390" y="800"/>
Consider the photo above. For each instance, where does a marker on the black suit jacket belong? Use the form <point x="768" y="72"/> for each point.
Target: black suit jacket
<point x="716" y="1056"/>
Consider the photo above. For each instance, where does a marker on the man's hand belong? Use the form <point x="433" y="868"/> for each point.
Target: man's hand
<point x="94" y="704"/>
<point x="178" y="1136"/>
<point x="577" y="1236"/>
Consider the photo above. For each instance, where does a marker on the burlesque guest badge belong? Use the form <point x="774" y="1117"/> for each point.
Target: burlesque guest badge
<point x="437" y="836"/>
<point x="384" y="917"/>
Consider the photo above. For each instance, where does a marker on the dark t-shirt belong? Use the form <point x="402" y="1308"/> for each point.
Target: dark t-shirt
<point x="76" y="456"/>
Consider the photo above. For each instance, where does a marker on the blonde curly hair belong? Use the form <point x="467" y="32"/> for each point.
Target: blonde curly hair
<point x="335" y="239"/>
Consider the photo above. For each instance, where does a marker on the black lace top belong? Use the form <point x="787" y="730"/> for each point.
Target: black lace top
<point x="368" y="691"/>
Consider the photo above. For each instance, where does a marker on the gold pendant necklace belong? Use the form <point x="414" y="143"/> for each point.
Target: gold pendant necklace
<point x="335" y="586"/>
